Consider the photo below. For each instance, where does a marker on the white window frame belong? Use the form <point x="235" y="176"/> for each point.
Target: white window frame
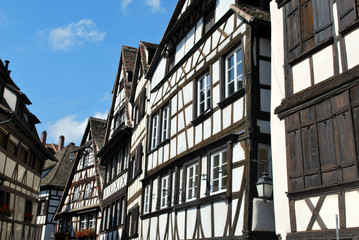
<point x="204" y="87"/>
<point x="76" y="193"/>
<point x="83" y="222"/>
<point x="191" y="182"/>
<point x="113" y="167"/>
<point x="155" y="130"/>
<point x="146" y="199"/>
<point x="236" y="76"/>
<point x="219" y="173"/>
<point x="92" y="222"/>
<point x="87" y="190"/>
<point x="165" y="123"/>
<point x="180" y="188"/>
<point x="164" y="191"/>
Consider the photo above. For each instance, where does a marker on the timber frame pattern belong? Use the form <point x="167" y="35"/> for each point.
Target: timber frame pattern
<point x="321" y="118"/>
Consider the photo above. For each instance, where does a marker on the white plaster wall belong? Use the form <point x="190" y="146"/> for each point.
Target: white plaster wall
<point x="323" y="64"/>
<point x="352" y="208"/>
<point x="10" y="98"/>
<point x="222" y="7"/>
<point x="158" y="73"/>
<point x="281" y="207"/>
<point x="301" y="75"/>
<point x="352" y="47"/>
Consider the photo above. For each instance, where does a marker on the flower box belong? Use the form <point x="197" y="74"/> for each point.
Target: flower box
<point x="5" y="211"/>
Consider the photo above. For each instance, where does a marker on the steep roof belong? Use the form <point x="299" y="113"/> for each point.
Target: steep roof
<point x="98" y="131"/>
<point x="61" y="170"/>
<point x="128" y="58"/>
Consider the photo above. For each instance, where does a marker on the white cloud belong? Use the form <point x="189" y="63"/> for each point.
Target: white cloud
<point x="154" y="4"/>
<point x="84" y="31"/>
<point x="124" y="3"/>
<point x="71" y="128"/>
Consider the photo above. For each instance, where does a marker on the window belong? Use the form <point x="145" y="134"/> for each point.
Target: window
<point x="92" y="222"/>
<point x="104" y="223"/>
<point x="4" y="198"/>
<point x="264" y="159"/>
<point x="90" y="158"/>
<point x="125" y="158"/>
<point x="347" y="13"/>
<point x="219" y="171"/>
<point x="87" y="190"/>
<point x="28" y="208"/>
<point x="42" y="207"/>
<point x="164" y="191"/>
<point x="108" y="171"/>
<point x="155" y="130"/>
<point x="146" y="200"/>
<point x="109" y="218"/>
<point x="308" y="24"/>
<point x="192" y="179"/>
<point x="113" y="169"/>
<point x="123" y="209"/>
<point x="23" y="154"/>
<point x="180" y="188"/>
<point x="133" y="221"/>
<point x="119" y="162"/>
<point x="76" y="194"/>
<point x="160" y="126"/>
<point x="203" y="94"/>
<point x="13" y="148"/>
<point x="83" y="222"/>
<point x="234" y="72"/>
<point x="3" y="139"/>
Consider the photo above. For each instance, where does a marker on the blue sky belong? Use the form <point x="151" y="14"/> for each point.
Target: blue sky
<point x="64" y="54"/>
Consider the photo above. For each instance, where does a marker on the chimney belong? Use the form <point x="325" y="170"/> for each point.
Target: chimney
<point x="7" y="64"/>
<point x="61" y="142"/>
<point x="43" y="137"/>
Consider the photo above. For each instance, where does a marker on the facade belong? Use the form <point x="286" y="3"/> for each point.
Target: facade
<point x="140" y="93"/>
<point x="315" y="76"/>
<point x="22" y="157"/>
<point x="115" y="153"/>
<point x="208" y="134"/>
<point x="80" y="206"/>
<point x="53" y="182"/>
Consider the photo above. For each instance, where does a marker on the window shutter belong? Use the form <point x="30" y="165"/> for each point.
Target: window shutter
<point x="307" y="25"/>
<point x="347" y="13"/>
<point x="293" y="31"/>
<point x="142" y="103"/>
<point x="139" y="159"/>
<point x="296" y="161"/>
<point x="322" y="20"/>
<point x="135" y="220"/>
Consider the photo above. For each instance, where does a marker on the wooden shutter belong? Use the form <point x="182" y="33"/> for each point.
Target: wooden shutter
<point x="139" y="159"/>
<point x="142" y="104"/>
<point x="347" y="13"/>
<point x="344" y="137"/>
<point x="326" y="143"/>
<point x="296" y="161"/>
<point x="293" y="30"/>
<point x="306" y="25"/>
<point x="135" y="220"/>
<point x="310" y="148"/>
<point x="322" y="20"/>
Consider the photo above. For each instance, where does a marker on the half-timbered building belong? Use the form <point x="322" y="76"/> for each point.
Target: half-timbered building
<point x="115" y="152"/>
<point x="208" y="137"/>
<point x="315" y="129"/>
<point x="22" y="157"/>
<point x="80" y="206"/>
<point x="139" y="97"/>
<point x="53" y="182"/>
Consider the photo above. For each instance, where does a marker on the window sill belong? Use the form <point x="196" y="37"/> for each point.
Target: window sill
<point x="235" y="96"/>
<point x="202" y="117"/>
<point x="315" y="49"/>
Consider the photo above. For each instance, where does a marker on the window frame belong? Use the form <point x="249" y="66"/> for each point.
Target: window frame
<point x="76" y="194"/>
<point x="87" y="192"/>
<point x="221" y="187"/>
<point x="147" y="199"/>
<point x="236" y="87"/>
<point x="165" y="189"/>
<point x="207" y="101"/>
<point x="160" y="132"/>
<point x="192" y="167"/>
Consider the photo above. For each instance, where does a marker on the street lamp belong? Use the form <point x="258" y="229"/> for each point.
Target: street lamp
<point x="264" y="186"/>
